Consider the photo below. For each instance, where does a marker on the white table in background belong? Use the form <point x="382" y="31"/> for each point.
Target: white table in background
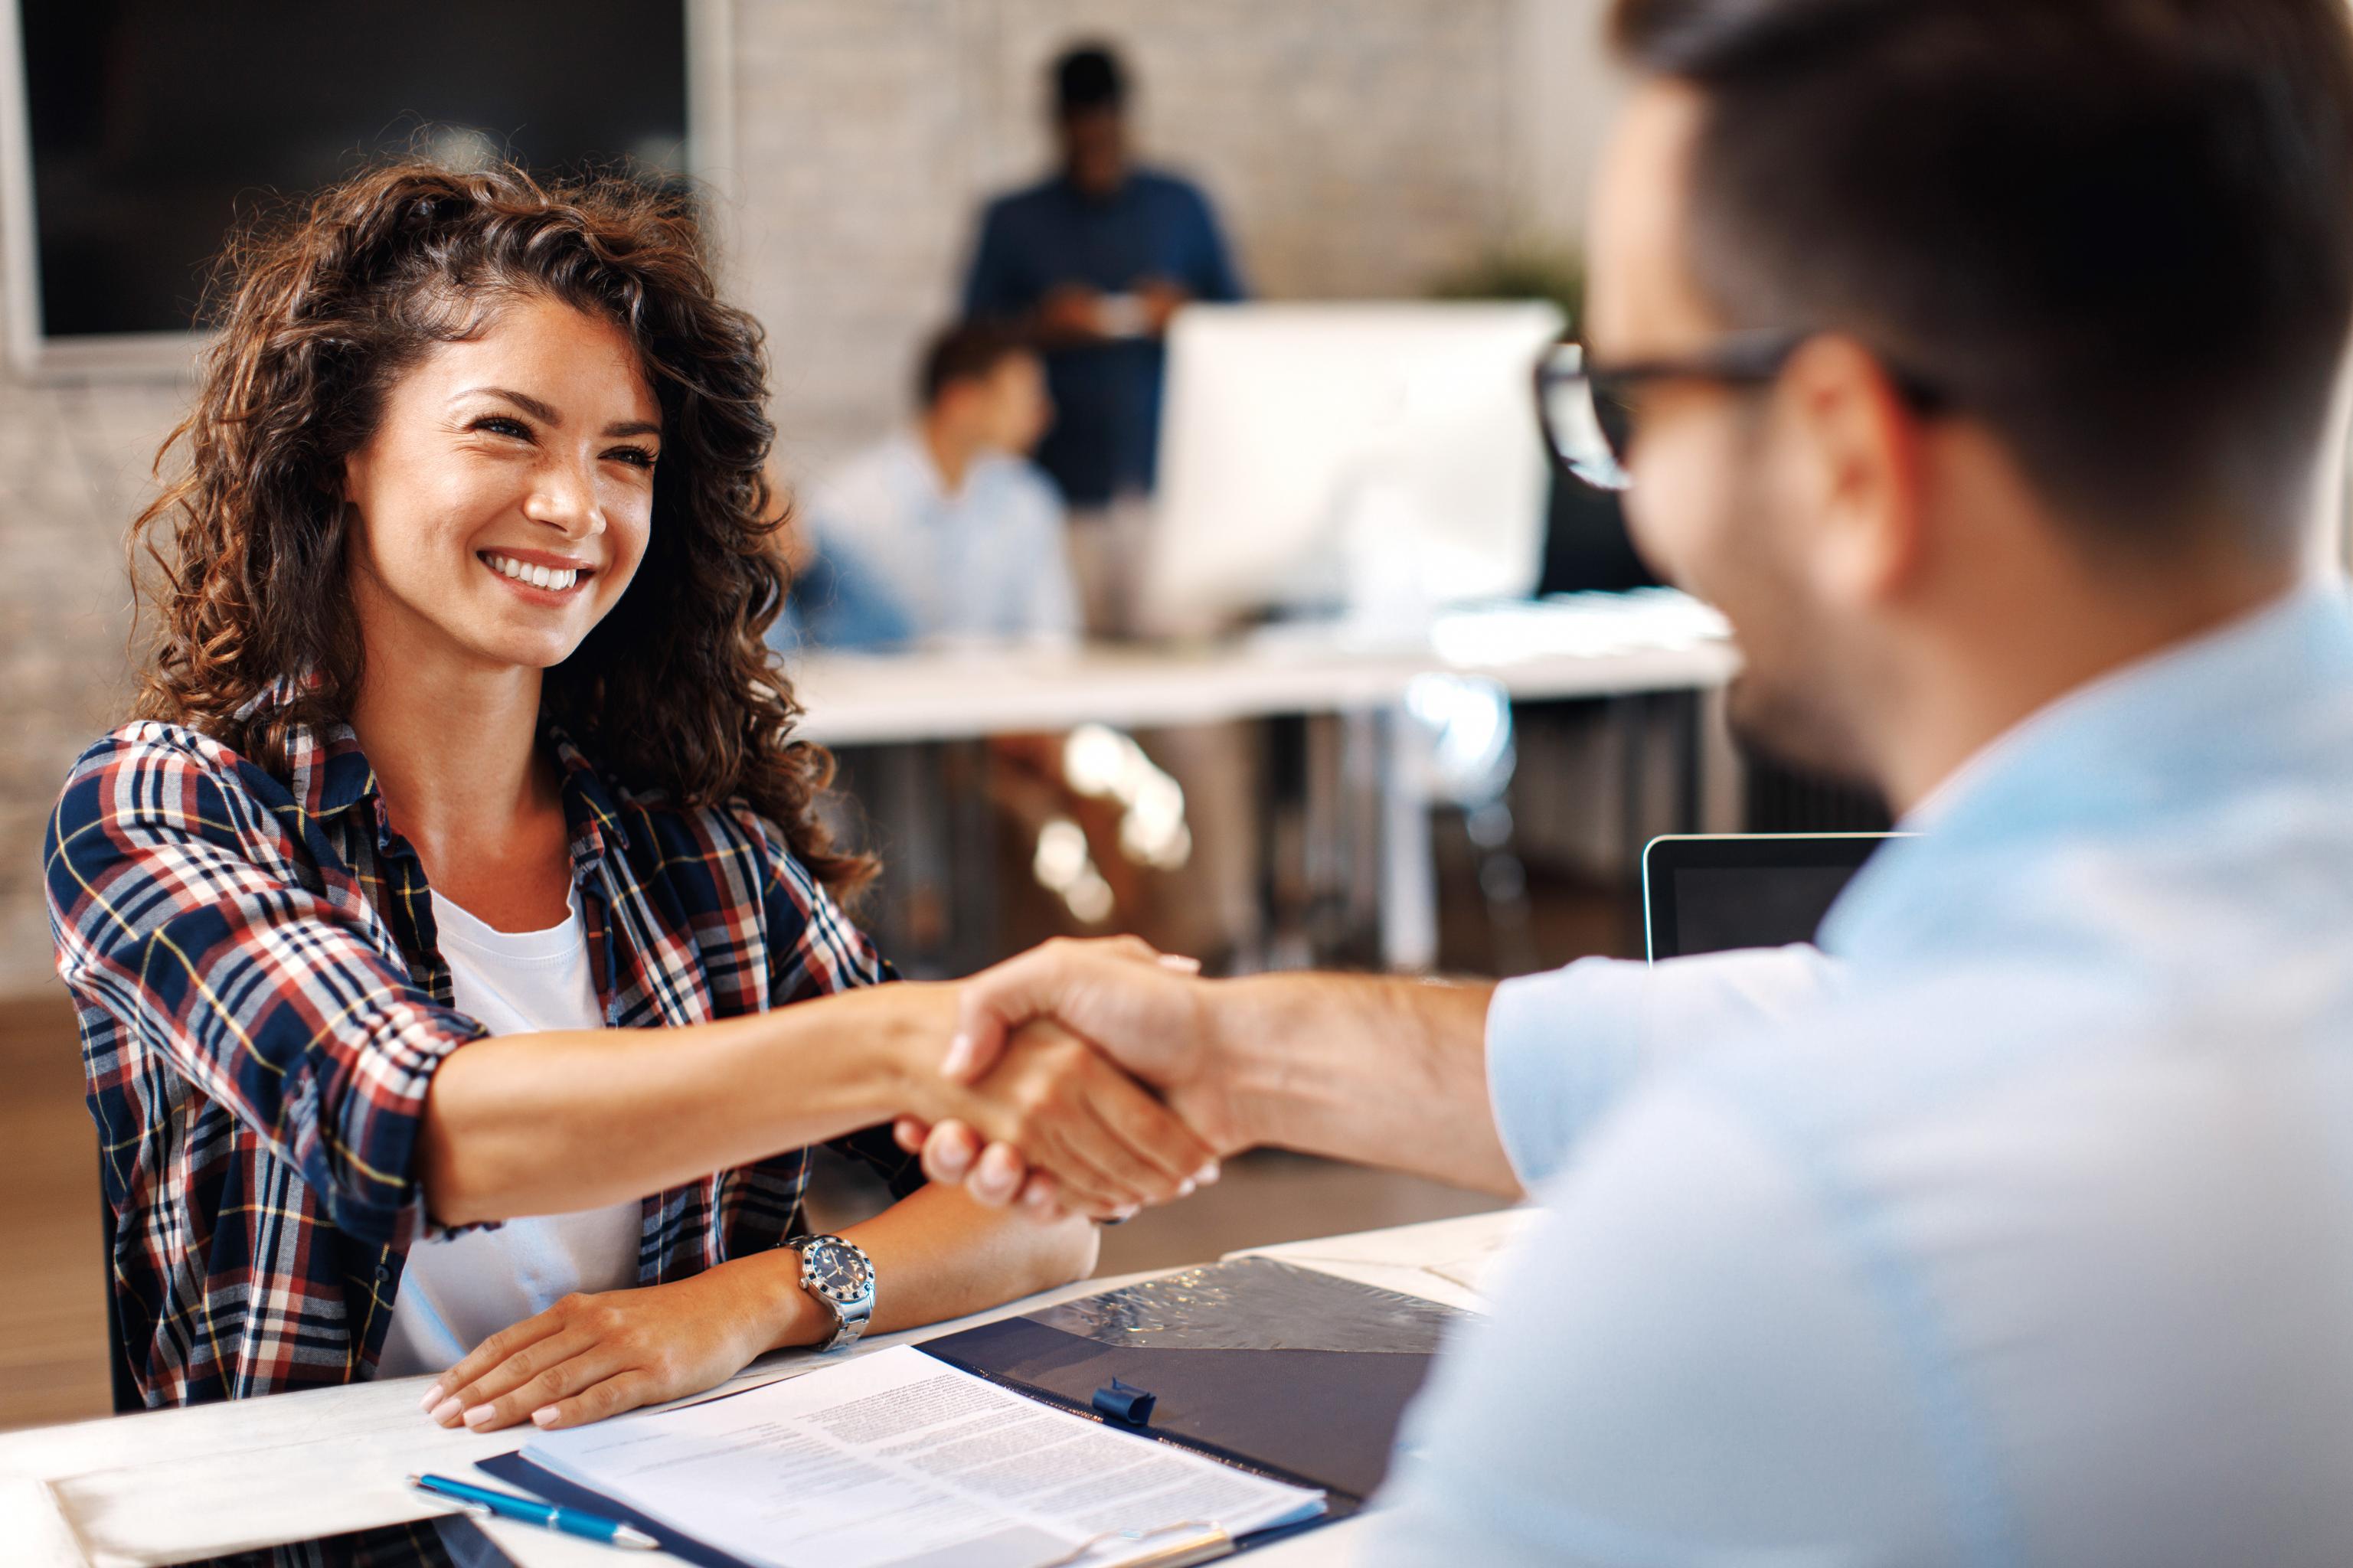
<point x="136" y="1490"/>
<point x="1571" y="646"/>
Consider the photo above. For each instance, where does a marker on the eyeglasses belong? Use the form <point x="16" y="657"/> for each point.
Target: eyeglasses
<point x="1588" y="412"/>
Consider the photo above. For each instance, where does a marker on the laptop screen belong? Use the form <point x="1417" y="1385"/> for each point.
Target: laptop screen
<point x="1713" y="893"/>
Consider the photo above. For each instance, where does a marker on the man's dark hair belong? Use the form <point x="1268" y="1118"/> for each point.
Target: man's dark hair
<point x="968" y="351"/>
<point x="1087" y="77"/>
<point x="2117" y="232"/>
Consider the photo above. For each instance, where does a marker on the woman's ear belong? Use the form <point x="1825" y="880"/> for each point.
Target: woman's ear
<point x="1858" y="454"/>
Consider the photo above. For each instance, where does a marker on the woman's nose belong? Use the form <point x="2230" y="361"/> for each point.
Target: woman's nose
<point x="565" y="497"/>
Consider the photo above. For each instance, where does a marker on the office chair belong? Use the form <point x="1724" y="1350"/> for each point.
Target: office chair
<point x="1464" y="757"/>
<point x="127" y="1400"/>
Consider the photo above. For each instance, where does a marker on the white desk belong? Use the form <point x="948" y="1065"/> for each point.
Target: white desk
<point x="1578" y="644"/>
<point x="138" y="1491"/>
<point x="1570" y="646"/>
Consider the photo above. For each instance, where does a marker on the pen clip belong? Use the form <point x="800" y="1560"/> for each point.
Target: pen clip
<point x="471" y="1509"/>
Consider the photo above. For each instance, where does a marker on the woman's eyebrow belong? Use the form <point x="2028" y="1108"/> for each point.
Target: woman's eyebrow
<point x="547" y="415"/>
<point x="544" y="413"/>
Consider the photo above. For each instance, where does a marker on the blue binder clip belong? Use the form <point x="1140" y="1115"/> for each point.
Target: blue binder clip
<point x="1126" y="1402"/>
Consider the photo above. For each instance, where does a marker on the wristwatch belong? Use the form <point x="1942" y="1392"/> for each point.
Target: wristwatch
<point x="841" y="1277"/>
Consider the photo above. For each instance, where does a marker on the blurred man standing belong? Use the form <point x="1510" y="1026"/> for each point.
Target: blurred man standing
<point x="1095" y="260"/>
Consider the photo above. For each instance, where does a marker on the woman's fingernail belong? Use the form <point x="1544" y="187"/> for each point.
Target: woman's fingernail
<point x="480" y="1417"/>
<point x="446" y="1411"/>
<point x="959" y="1058"/>
<point x="433" y="1396"/>
<point x="1181" y="964"/>
<point x="1185" y="1189"/>
<point x="543" y="1416"/>
<point x="1206" y="1174"/>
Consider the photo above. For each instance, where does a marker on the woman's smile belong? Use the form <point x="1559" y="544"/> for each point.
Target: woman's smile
<point x="537" y="575"/>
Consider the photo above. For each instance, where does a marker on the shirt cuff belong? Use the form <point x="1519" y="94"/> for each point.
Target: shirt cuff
<point x="1561" y="1050"/>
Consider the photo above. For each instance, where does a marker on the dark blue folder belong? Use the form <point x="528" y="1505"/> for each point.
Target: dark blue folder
<point x="1281" y="1371"/>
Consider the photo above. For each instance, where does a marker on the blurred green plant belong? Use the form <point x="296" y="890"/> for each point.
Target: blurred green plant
<point x="1520" y="271"/>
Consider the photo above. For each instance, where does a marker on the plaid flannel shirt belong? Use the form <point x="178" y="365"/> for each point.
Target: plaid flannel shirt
<point x="263" y="1005"/>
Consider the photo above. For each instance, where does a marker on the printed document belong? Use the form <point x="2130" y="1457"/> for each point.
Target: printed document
<point x="901" y="1461"/>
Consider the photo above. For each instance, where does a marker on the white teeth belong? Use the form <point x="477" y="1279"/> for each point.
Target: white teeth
<point x="537" y="576"/>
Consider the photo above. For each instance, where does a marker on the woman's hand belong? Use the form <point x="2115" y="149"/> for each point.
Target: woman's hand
<point x="1142" y="1009"/>
<point x="1110" y="1143"/>
<point x="588" y="1357"/>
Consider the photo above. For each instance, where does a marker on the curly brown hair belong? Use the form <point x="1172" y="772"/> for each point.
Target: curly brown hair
<point x="319" y="314"/>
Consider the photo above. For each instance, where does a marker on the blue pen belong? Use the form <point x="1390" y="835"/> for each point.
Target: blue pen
<point x="531" y="1510"/>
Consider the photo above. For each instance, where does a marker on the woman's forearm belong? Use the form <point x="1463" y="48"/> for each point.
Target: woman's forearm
<point x="937" y="1254"/>
<point x="547" y="1123"/>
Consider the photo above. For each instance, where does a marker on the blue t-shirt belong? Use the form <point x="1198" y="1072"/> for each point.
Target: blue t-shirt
<point x="1106" y="395"/>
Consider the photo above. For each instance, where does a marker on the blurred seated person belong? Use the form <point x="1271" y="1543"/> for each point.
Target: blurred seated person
<point x="945" y="530"/>
<point x="1093" y="261"/>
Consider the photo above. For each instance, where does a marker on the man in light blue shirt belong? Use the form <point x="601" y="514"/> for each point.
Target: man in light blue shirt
<point x="944" y="532"/>
<point x="1976" y="356"/>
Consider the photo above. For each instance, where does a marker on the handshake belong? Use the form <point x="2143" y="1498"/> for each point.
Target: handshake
<point x="1099" y="1076"/>
<point x="1080" y="1080"/>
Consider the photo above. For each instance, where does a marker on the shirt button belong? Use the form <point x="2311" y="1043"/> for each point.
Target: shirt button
<point x="382" y="1273"/>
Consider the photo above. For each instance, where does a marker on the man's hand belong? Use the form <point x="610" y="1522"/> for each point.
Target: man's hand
<point x="1140" y="1008"/>
<point x="588" y="1357"/>
<point x="1070" y="313"/>
<point x="1111" y="1147"/>
<point x="1162" y="298"/>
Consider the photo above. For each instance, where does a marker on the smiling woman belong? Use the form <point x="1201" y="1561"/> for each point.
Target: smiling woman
<point x="605" y="287"/>
<point x="459" y="974"/>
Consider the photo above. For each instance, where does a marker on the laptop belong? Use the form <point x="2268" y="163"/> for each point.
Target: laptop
<point x="1711" y="892"/>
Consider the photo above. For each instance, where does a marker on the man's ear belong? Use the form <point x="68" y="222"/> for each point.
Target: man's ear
<point x="1857" y="461"/>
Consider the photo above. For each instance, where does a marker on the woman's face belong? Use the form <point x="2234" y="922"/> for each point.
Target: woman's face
<point x="503" y="503"/>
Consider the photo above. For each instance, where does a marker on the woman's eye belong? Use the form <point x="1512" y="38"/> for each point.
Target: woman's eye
<point x="500" y="425"/>
<point x="636" y="457"/>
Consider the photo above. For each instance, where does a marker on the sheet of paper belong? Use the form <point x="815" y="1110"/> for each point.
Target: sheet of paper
<point x="1473" y="1268"/>
<point x="896" y="1460"/>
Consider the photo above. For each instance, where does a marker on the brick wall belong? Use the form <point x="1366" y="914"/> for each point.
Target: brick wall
<point x="72" y="473"/>
<point x="1355" y="147"/>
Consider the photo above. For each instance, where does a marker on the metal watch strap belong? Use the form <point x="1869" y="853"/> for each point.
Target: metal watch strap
<point x="850" y="1318"/>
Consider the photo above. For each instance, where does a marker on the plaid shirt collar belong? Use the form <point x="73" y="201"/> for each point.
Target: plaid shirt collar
<point x="328" y="775"/>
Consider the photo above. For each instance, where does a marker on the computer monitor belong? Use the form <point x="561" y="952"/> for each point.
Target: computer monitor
<point x="1381" y="461"/>
<point x="1715" y="892"/>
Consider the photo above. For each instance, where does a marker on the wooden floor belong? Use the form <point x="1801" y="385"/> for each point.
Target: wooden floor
<point x="52" y="1306"/>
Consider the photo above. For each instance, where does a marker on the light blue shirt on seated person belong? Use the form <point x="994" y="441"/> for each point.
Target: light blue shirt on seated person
<point x="901" y="559"/>
<point x="2018" y="1231"/>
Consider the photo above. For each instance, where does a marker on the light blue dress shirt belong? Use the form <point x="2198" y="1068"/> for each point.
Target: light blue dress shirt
<point x="2018" y="1231"/>
<point x="902" y="560"/>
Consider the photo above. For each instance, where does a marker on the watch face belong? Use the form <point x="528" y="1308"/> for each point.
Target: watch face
<point x="837" y="1271"/>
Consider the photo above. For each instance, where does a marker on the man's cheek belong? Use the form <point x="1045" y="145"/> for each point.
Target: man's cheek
<point x="1667" y="523"/>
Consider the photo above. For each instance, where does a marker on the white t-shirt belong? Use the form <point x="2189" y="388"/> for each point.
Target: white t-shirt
<point x="455" y="1291"/>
